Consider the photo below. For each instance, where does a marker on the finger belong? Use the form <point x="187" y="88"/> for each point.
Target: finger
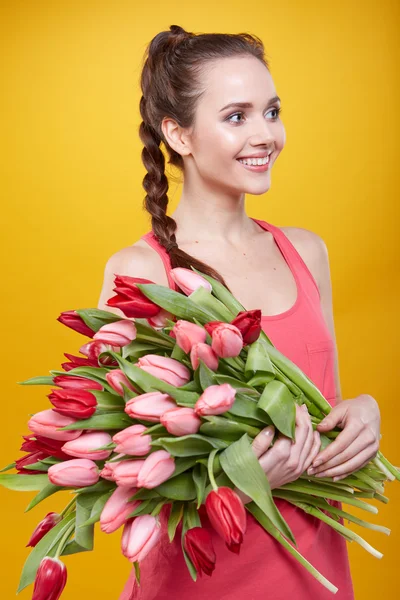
<point x="343" y="440"/>
<point x="314" y="450"/>
<point x="339" y="477"/>
<point x="352" y="465"/>
<point x="301" y="430"/>
<point x="308" y="444"/>
<point x="355" y="448"/>
<point x="263" y="440"/>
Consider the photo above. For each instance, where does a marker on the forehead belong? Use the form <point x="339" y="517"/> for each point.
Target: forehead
<point x="243" y="79"/>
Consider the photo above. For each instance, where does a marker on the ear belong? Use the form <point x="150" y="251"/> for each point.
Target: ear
<point x="176" y="136"/>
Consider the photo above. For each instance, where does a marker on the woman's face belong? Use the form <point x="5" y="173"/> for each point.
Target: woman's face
<point x="221" y="136"/>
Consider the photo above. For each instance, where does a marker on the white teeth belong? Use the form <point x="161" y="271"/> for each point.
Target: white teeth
<point x="254" y="161"/>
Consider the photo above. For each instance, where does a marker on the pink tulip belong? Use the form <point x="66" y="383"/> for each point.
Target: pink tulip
<point x="187" y="334"/>
<point x="107" y="471"/>
<point x="205" y="353"/>
<point x="215" y="400"/>
<point x="130" y="441"/>
<point x="115" y="378"/>
<point x="78" y="472"/>
<point x="50" y="521"/>
<point x="93" y="350"/>
<point x="227" y="341"/>
<point x="46" y="423"/>
<point x="85" y="446"/>
<point x="159" y="321"/>
<point x="118" y="333"/>
<point x="149" y="406"/>
<point x="50" y="580"/>
<point x="126" y="472"/>
<point x="157" y="468"/>
<point x="117" y="509"/>
<point x="167" y="369"/>
<point x="139" y="536"/>
<point x="181" y="421"/>
<point x="188" y="281"/>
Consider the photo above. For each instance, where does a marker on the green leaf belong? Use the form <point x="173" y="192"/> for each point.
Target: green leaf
<point x="24" y="483"/>
<point x="145" y="508"/>
<point x="202" y="297"/>
<point x="183" y="464"/>
<point x="146" y="333"/>
<point x="97" y="508"/>
<point x="258" y="360"/>
<point x="225" y="428"/>
<point x="83" y="539"/>
<point x="185" y="527"/>
<point x="41" y="380"/>
<point x="177" y="353"/>
<point x="240" y="386"/>
<point x="101" y="486"/>
<point x="206" y="376"/>
<point x="174" y="519"/>
<point x="200" y="475"/>
<point x="174" y="302"/>
<point x="47" y="491"/>
<point x="115" y="420"/>
<point x="245" y="406"/>
<point x="278" y="403"/>
<point x="180" y="487"/>
<point x="222" y="293"/>
<point x="45" y="547"/>
<point x="136" y="565"/>
<point x="241" y="465"/>
<point x="193" y="444"/>
<point x="145" y="494"/>
<point x="8" y="467"/>
<point x="107" y="400"/>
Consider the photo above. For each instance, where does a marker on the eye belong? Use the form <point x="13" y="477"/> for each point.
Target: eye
<point x="277" y="109"/>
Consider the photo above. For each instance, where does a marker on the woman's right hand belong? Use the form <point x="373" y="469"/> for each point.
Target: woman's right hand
<point x="286" y="460"/>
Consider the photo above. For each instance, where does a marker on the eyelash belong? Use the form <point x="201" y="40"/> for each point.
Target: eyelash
<point x="277" y="109"/>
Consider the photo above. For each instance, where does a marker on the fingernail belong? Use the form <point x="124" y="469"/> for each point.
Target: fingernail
<point x="322" y="474"/>
<point x="316" y="463"/>
<point x="310" y="471"/>
<point x="269" y="430"/>
<point x="304" y="406"/>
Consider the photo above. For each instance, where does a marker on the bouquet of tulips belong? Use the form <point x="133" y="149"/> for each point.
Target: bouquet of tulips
<point x="162" y="410"/>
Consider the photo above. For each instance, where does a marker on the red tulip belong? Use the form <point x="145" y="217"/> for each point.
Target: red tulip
<point x="249" y="324"/>
<point x="227" y="515"/>
<point x="50" y="580"/>
<point x="119" y="333"/>
<point x="78" y="404"/>
<point x="199" y="547"/>
<point x="130" y="300"/>
<point x="76" y="383"/>
<point x="71" y="319"/>
<point x="50" y="520"/>
<point x="78" y="361"/>
<point x="48" y="446"/>
<point x="29" y="459"/>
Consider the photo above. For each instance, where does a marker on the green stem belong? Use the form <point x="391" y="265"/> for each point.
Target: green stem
<point x="66" y="535"/>
<point x="391" y="468"/>
<point x="210" y="469"/>
<point x="66" y="509"/>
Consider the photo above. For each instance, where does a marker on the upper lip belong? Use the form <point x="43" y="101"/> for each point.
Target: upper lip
<point x="262" y="154"/>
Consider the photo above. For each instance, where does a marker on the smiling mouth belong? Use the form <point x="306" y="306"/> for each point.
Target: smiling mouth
<point x="255" y="162"/>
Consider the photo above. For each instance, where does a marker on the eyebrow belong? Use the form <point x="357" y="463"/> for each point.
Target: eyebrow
<point x="248" y="104"/>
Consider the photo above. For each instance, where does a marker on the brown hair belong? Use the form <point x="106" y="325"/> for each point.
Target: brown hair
<point x="171" y="87"/>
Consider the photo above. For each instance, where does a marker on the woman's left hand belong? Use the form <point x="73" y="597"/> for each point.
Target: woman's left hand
<point x="356" y="445"/>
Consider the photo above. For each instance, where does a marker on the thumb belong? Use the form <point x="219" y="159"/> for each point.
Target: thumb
<point x="331" y="420"/>
<point x="263" y="440"/>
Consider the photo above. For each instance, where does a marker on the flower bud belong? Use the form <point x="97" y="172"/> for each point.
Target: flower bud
<point x="188" y="281"/>
<point x="85" y="445"/>
<point x="227" y="341"/>
<point x="149" y="406"/>
<point x="187" y="334"/>
<point x="47" y="423"/>
<point x="249" y="324"/>
<point x="215" y="400"/>
<point x="205" y="353"/>
<point x="78" y="472"/>
<point x="75" y="403"/>
<point x="139" y="536"/>
<point x="181" y="421"/>
<point x="131" y="441"/>
<point x="50" y="520"/>
<point x="227" y="515"/>
<point x="157" y="468"/>
<point x="50" y="579"/>
<point x="117" y="508"/>
<point x="118" y="333"/>
<point x="167" y="369"/>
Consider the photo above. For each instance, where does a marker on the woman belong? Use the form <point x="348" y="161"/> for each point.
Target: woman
<point x="212" y="102"/>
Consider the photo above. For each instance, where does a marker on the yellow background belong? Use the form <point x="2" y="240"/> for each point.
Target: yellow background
<point x="72" y="196"/>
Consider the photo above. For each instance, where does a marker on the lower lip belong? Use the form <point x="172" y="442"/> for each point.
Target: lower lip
<point x="256" y="168"/>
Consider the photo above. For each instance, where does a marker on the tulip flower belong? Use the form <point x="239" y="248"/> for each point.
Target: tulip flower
<point x="249" y="324"/>
<point x="117" y="508"/>
<point x="115" y="378"/>
<point x="45" y="445"/>
<point x="167" y="369"/>
<point x="50" y="520"/>
<point x="160" y="320"/>
<point x="156" y="469"/>
<point x="227" y="340"/>
<point x="139" y="536"/>
<point x="107" y="471"/>
<point x="188" y="281"/>
<point x="71" y="319"/>
<point x="75" y="403"/>
<point x="78" y="361"/>
<point x="46" y="423"/>
<point x="198" y="545"/>
<point x="227" y="515"/>
<point x="78" y="472"/>
<point x="76" y="383"/>
<point x="131" y="441"/>
<point x="187" y="334"/>
<point x="149" y="406"/>
<point x="93" y="350"/>
<point x="118" y="333"/>
<point x="126" y="472"/>
<point x="181" y="421"/>
<point x="29" y="459"/>
<point x="215" y="400"/>
<point x="85" y="445"/>
<point x="130" y="300"/>
<point x="205" y="353"/>
<point x="50" y="579"/>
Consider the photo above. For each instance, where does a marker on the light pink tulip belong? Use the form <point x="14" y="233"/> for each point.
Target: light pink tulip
<point x="188" y="281"/>
<point x="78" y="472"/>
<point x="85" y="446"/>
<point x="93" y="350"/>
<point x="149" y="406"/>
<point x="107" y="471"/>
<point x="118" y="333"/>
<point x="227" y="340"/>
<point x="181" y="421"/>
<point x="215" y="400"/>
<point x="187" y="334"/>
<point x="167" y="369"/>
<point x="139" y="536"/>
<point x="115" y="378"/>
<point x="160" y="320"/>
<point x="47" y="422"/>
<point x="126" y="472"/>
<point x="205" y="353"/>
<point x="157" y="468"/>
<point x="130" y="441"/>
<point x="117" y="508"/>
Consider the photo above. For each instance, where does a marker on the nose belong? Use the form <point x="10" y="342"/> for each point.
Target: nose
<point x="263" y="133"/>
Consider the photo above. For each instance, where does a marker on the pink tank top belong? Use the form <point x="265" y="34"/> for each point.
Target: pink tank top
<point x="263" y="569"/>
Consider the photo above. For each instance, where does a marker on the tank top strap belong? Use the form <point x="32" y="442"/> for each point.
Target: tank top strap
<point x="301" y="272"/>
<point x="151" y="239"/>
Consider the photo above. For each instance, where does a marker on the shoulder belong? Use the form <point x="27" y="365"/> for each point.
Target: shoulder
<point x="312" y="249"/>
<point x="138" y="260"/>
